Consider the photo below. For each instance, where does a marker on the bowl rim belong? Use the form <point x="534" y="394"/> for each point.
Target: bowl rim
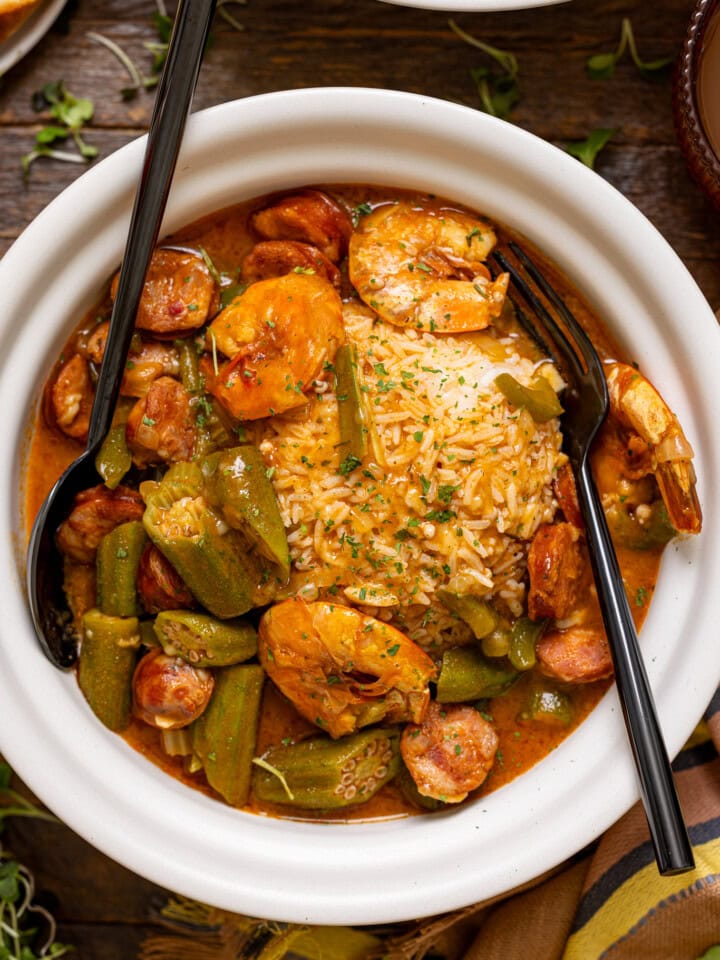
<point x="702" y="161"/>
<point x="377" y="872"/>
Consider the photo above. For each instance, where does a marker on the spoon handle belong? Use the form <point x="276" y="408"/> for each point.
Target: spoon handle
<point x="175" y="91"/>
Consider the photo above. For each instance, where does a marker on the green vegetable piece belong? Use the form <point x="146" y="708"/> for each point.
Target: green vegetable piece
<point x="106" y="665"/>
<point x="224" y="736"/>
<point x="587" y="150"/>
<point x="351" y="409"/>
<point x="649" y="533"/>
<point x="539" y="399"/>
<point x="214" y="562"/>
<point x="550" y="706"/>
<point x="239" y="486"/>
<point x="113" y="459"/>
<point x="478" y="614"/>
<point x="324" y="774"/>
<point x="204" y="641"/>
<point x="118" y="559"/>
<point x="189" y="366"/>
<point x="465" y="674"/>
<point x="524" y="635"/>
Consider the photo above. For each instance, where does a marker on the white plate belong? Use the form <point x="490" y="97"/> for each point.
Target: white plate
<point x="31" y="31"/>
<point x="468" y="6"/>
<point x="387" y="871"/>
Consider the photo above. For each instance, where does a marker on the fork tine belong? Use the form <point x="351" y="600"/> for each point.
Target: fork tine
<point x="578" y="334"/>
<point x="522" y="317"/>
<point x="560" y="338"/>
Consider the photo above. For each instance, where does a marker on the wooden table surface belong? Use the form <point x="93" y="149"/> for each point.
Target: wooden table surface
<point x="104" y="909"/>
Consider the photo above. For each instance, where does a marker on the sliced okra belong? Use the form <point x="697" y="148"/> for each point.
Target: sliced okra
<point x="106" y="665"/>
<point x="324" y="774"/>
<point x="224" y="736"/>
<point x="205" y="641"/>
<point x="118" y="559"/>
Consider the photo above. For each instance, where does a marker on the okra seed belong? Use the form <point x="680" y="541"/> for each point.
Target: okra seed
<point x="381" y="771"/>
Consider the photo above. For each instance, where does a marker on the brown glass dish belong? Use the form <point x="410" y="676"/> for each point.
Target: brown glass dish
<point x="690" y="109"/>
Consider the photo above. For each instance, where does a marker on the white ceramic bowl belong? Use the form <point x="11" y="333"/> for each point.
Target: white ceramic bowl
<point x="382" y="871"/>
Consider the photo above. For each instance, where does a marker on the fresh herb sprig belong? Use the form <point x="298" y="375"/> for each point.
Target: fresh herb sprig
<point x="601" y="66"/>
<point x="70" y="114"/>
<point x="20" y="916"/>
<point x="497" y="85"/>
<point x="587" y="150"/>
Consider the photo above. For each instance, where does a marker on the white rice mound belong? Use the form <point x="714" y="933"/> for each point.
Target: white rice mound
<point x="453" y="488"/>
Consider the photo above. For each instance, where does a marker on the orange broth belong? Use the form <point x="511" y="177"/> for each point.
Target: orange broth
<point x="226" y="237"/>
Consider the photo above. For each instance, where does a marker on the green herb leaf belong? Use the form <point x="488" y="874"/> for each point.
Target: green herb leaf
<point x="497" y="86"/>
<point x="601" y="66"/>
<point x="72" y="113"/>
<point x="588" y="149"/>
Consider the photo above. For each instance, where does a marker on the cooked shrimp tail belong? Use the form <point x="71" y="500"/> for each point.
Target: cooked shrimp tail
<point x="640" y="410"/>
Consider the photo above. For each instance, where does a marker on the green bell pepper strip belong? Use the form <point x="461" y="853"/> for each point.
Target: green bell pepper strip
<point x="113" y="459"/>
<point x="478" y="614"/>
<point x="539" y="399"/>
<point x="654" y="531"/>
<point x="550" y="706"/>
<point x="524" y="635"/>
<point x="466" y="675"/>
<point x="351" y="409"/>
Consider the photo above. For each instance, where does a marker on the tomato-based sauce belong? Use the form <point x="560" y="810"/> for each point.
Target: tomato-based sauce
<point x="381" y="592"/>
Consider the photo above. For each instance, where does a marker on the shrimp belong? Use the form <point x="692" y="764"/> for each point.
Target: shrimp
<point x="69" y="398"/>
<point x="424" y="268"/>
<point x="656" y="439"/>
<point x="179" y="295"/>
<point x="342" y="669"/>
<point x="161" y="426"/>
<point x="309" y="216"/>
<point x="579" y="654"/>
<point x="274" y="258"/>
<point x="147" y="360"/>
<point x="96" y="512"/>
<point x="555" y="566"/>
<point x="278" y="335"/>
<point x="450" y="753"/>
<point x="168" y="692"/>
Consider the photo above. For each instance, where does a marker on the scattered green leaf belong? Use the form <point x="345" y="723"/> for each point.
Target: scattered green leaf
<point x="497" y="85"/>
<point x="587" y="150"/>
<point x="71" y="114"/>
<point x="601" y="66"/>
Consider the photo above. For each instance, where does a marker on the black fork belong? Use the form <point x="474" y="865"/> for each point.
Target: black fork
<point x="585" y="403"/>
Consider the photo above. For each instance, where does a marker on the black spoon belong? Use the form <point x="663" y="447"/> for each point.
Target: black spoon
<point x="46" y="598"/>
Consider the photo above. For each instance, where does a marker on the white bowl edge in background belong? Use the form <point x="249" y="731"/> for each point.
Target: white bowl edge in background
<point x="474" y="6"/>
<point x="379" y="872"/>
<point x="21" y="42"/>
